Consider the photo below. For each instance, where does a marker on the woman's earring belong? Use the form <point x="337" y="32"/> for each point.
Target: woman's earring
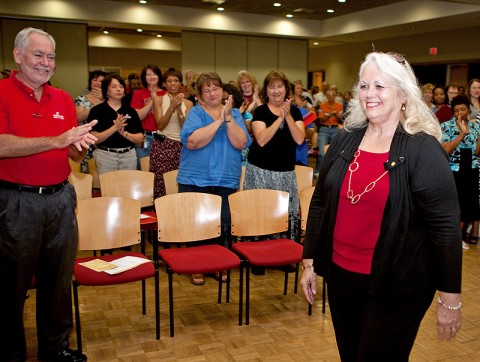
<point x="403" y="107"/>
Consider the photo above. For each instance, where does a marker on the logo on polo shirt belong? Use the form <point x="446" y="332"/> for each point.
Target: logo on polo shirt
<point x="58" y="116"/>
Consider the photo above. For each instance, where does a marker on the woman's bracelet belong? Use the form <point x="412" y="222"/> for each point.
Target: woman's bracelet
<point x="449" y="307"/>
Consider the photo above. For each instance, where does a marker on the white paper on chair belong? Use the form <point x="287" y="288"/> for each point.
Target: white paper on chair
<point x="115" y="266"/>
<point x="126" y="263"/>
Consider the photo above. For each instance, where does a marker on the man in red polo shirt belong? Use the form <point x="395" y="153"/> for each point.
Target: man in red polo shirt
<point x="38" y="227"/>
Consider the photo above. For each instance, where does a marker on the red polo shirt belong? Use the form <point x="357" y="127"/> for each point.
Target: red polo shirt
<point x="21" y="114"/>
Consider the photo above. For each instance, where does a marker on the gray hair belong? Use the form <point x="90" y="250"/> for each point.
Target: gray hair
<point x="21" y="40"/>
<point x="418" y="117"/>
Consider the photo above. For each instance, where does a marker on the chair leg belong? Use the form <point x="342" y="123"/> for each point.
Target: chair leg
<point x="309" y="309"/>
<point x="247" y="293"/>
<point x="220" y="288"/>
<point x="170" y="299"/>
<point x="157" y="304"/>
<point x="144" y="297"/>
<point x="295" y="288"/>
<point x="240" y="297"/>
<point x="324" y="295"/>
<point x="227" y="293"/>
<point x="77" y="316"/>
<point x="285" y="283"/>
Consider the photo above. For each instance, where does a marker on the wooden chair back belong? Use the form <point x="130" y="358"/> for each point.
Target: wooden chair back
<point x="170" y="179"/>
<point x="82" y="183"/>
<point x="305" y="198"/>
<point x="304" y="177"/>
<point x="145" y="163"/>
<point x="92" y="169"/>
<point x="258" y="212"/>
<point x="188" y="216"/>
<point x="132" y="184"/>
<point x="108" y="223"/>
<point x="74" y="166"/>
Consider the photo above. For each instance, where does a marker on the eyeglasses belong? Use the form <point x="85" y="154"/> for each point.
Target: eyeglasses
<point x="398" y="57"/>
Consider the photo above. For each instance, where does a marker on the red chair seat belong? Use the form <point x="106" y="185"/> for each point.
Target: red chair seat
<point x="199" y="259"/>
<point x="86" y="276"/>
<point x="270" y="252"/>
<point x="149" y="223"/>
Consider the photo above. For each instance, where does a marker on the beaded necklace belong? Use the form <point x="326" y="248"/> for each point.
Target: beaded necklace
<point x="353" y="168"/>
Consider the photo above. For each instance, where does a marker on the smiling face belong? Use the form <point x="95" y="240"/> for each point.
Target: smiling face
<point x="37" y="61"/>
<point x="379" y="96"/>
<point x="276" y="92"/>
<point x="474" y="90"/>
<point x="212" y="94"/>
<point x="172" y="84"/>
<point x="247" y="86"/>
<point x="151" y="78"/>
<point x="439" y="96"/>
<point x="96" y="82"/>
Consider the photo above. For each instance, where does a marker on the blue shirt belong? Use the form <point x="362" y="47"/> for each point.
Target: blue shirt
<point x="450" y="131"/>
<point x="216" y="164"/>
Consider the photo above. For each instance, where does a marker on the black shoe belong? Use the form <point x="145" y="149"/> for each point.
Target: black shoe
<point x="258" y="270"/>
<point x="68" y="355"/>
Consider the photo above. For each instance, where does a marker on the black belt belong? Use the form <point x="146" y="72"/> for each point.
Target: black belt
<point x="329" y="126"/>
<point x="116" y="150"/>
<point x="151" y="133"/>
<point x="48" y="190"/>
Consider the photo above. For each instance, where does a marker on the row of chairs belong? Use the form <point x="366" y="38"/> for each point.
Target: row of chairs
<point x="103" y="219"/>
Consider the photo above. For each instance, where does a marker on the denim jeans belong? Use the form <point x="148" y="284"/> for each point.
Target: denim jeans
<point x="325" y="136"/>
<point x="144" y="151"/>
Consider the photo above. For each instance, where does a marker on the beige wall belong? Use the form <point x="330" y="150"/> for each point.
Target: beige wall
<point x="341" y="63"/>
<point x="228" y="54"/>
<point x="71" y="49"/>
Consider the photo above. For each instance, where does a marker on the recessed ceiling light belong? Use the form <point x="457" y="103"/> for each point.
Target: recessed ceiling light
<point x="342" y="1"/>
<point x="105" y="32"/>
<point x="159" y="35"/>
<point x="315" y="43"/>
<point x="289" y="16"/>
<point x="139" y="30"/>
<point x="277" y="5"/>
<point x="331" y="11"/>
<point x="142" y="1"/>
<point x="220" y="8"/>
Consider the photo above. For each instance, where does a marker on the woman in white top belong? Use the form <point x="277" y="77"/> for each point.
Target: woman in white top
<point x="169" y="111"/>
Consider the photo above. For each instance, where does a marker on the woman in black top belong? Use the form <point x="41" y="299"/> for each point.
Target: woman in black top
<point x="118" y="129"/>
<point x="277" y="127"/>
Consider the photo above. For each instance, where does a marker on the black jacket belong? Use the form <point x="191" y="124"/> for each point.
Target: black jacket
<point x="419" y="246"/>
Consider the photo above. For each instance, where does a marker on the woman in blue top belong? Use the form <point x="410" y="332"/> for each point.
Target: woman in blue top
<point x="213" y="137"/>
<point x="460" y="139"/>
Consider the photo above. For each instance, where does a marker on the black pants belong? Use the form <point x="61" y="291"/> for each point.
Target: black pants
<point x="373" y="329"/>
<point x="38" y="236"/>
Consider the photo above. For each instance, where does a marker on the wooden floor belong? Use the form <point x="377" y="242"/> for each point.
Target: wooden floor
<point x="114" y="328"/>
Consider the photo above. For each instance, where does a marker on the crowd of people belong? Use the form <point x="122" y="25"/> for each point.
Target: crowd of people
<point x="396" y="192"/>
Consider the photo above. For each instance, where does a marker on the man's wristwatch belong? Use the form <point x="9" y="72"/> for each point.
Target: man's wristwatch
<point x="308" y="266"/>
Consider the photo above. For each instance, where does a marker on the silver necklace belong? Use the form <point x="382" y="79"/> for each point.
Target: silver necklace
<point x="353" y="168"/>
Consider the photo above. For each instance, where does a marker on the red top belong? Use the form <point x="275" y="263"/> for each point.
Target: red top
<point x="358" y="225"/>
<point x="21" y="114"/>
<point x="325" y="108"/>
<point x="139" y="98"/>
<point x="444" y="113"/>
